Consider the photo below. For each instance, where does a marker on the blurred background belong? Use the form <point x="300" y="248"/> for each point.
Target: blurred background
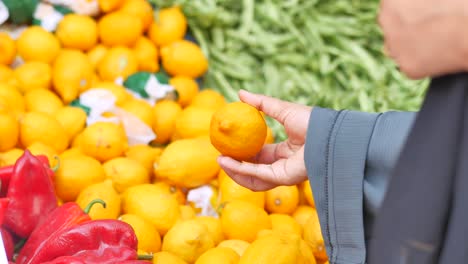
<point x="314" y="52"/>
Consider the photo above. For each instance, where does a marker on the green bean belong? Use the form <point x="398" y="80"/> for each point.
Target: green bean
<point x="218" y="37"/>
<point x="238" y="73"/>
<point x="247" y="15"/>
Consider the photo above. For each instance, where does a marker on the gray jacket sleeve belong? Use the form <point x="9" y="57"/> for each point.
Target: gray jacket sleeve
<point x="349" y="156"/>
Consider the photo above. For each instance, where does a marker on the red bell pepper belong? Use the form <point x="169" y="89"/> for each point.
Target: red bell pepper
<point x="7" y="171"/>
<point x="5" y="175"/>
<point x="3" y="207"/>
<point x="76" y="260"/>
<point x="46" y="163"/>
<point x="66" y="216"/>
<point x="98" y="241"/>
<point x="31" y="193"/>
<point x="8" y="242"/>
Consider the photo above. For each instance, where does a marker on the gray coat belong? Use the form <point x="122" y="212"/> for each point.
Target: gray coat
<point x="349" y="156"/>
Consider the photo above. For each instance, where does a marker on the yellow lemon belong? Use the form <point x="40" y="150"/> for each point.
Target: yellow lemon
<point x="282" y="199"/>
<point x="147" y="55"/>
<point x="264" y="232"/>
<point x="170" y="25"/>
<point x="285" y="223"/>
<point x="103" y="141"/>
<point x="273" y="248"/>
<point x="118" y="62"/>
<point x="6" y="73"/>
<point x="144" y="154"/>
<point x="187" y="89"/>
<point x="188" y="239"/>
<point x="76" y="142"/>
<point x="7" y="49"/>
<point x="121" y="95"/>
<point x="307" y="191"/>
<point x="32" y="75"/>
<point x="270" y="137"/>
<point x="42" y="100"/>
<point x="141" y="9"/>
<point x="171" y="190"/>
<point x="5" y="107"/>
<point x="77" y="32"/>
<point x="229" y="190"/>
<point x="239" y="246"/>
<point x="302" y="214"/>
<point x="96" y="54"/>
<point x="140" y="109"/>
<point x="208" y="98"/>
<point x="9" y="131"/>
<point x="38" y="148"/>
<point x="307" y="255"/>
<point x="107" y="193"/>
<point x="148" y="237"/>
<point x="119" y="28"/>
<point x="192" y="122"/>
<point x="12" y="100"/>
<point x="238" y="130"/>
<point x="149" y="202"/>
<point x="41" y="127"/>
<point x="70" y="152"/>
<point x="186" y="212"/>
<point x="218" y="255"/>
<point x="214" y="227"/>
<point x="72" y="72"/>
<point x="188" y="162"/>
<point x="73" y="119"/>
<point x="185" y="58"/>
<point x="94" y="80"/>
<point x="37" y="44"/>
<point x="164" y="257"/>
<point x="165" y="116"/>
<point x="75" y="173"/>
<point x="313" y="237"/>
<point x="125" y="172"/>
<point x="243" y="220"/>
<point x="9" y="157"/>
<point x="110" y="5"/>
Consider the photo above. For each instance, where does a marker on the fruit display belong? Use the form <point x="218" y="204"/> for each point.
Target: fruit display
<point x="109" y="143"/>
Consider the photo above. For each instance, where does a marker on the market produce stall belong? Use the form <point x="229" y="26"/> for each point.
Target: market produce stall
<point x="108" y="110"/>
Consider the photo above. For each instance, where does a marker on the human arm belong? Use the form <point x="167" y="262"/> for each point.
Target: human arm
<point x="365" y="147"/>
<point x="349" y="156"/>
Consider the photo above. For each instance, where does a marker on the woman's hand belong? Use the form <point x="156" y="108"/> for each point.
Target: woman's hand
<point x="426" y="37"/>
<point x="276" y="164"/>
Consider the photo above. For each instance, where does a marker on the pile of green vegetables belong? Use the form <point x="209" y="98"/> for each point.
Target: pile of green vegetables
<point x="314" y="52"/>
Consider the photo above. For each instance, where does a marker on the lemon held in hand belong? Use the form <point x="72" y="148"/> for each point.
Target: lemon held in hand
<point x="238" y="130"/>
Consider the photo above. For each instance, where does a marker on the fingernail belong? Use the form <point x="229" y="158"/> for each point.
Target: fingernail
<point x="220" y="160"/>
<point x="244" y="91"/>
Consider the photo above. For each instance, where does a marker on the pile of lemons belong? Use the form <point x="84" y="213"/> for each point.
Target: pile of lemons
<point x="42" y="72"/>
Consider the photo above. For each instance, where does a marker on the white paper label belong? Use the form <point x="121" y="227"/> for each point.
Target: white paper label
<point x="4" y="14"/>
<point x="201" y="197"/>
<point x="48" y="16"/>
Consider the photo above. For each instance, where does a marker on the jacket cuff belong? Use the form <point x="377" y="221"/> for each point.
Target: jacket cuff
<point x="335" y="157"/>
